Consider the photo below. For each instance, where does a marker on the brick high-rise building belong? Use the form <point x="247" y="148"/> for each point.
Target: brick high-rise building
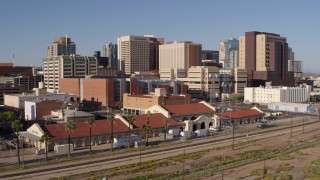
<point x="265" y="56"/>
<point x="179" y="55"/>
<point x="138" y="53"/>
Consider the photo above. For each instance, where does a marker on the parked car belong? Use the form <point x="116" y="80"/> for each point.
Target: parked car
<point x="211" y="128"/>
<point x="262" y="125"/>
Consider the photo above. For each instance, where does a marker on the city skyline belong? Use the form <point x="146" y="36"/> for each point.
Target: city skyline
<point x="29" y="27"/>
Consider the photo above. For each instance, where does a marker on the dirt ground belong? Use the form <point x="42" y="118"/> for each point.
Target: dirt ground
<point x="297" y="161"/>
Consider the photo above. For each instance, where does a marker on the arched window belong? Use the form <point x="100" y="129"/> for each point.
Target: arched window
<point x="193" y="118"/>
<point x="194" y="128"/>
<point x="210" y="124"/>
<point x="203" y="125"/>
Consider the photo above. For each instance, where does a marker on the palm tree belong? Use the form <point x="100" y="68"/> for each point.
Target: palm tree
<point x="90" y="121"/>
<point x="166" y="123"/>
<point x="46" y="138"/>
<point x="16" y="126"/>
<point x="146" y="130"/>
<point x="130" y="120"/>
<point x="111" y="120"/>
<point x="69" y="126"/>
<point x="149" y="115"/>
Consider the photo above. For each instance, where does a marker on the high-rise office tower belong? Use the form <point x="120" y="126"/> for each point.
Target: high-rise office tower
<point x="138" y="53"/>
<point x="179" y="55"/>
<point x="265" y="56"/>
<point x="210" y="55"/>
<point x="61" y="46"/>
<point x="55" y="68"/>
<point x="290" y="54"/>
<point x="228" y="53"/>
<point x="111" y="52"/>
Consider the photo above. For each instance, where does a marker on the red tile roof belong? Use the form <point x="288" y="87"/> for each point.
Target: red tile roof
<point x="187" y="109"/>
<point x="240" y="114"/>
<point x="155" y="121"/>
<point x="101" y="127"/>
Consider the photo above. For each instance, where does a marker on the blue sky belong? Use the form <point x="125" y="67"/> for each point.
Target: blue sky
<point x="27" y="27"/>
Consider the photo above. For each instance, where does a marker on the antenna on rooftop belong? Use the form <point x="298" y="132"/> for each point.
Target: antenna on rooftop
<point x="13" y="59"/>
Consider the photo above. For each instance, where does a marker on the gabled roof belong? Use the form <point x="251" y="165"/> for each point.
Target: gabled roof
<point x="188" y="109"/>
<point x="240" y="114"/>
<point x="155" y="121"/>
<point x="101" y="127"/>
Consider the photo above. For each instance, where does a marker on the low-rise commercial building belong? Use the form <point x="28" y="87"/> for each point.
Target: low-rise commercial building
<point x="238" y="117"/>
<point x="101" y="131"/>
<point x="293" y="107"/>
<point x="194" y="115"/>
<point x="17" y="101"/>
<point x="37" y="108"/>
<point x="272" y="94"/>
<point x="137" y="104"/>
<point x="107" y="90"/>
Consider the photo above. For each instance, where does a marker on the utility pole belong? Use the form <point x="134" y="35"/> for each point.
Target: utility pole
<point x="222" y="174"/>
<point x="303" y="125"/>
<point x="291" y="125"/>
<point x="184" y="151"/>
<point x="233" y="135"/>
<point x="140" y="149"/>
<point x="264" y="169"/>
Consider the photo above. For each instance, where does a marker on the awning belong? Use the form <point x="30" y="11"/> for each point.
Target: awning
<point x="30" y="136"/>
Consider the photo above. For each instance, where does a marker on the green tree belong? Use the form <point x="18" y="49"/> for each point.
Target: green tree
<point x="69" y="126"/>
<point x="111" y="120"/>
<point x="16" y="126"/>
<point x="8" y="115"/>
<point x="90" y="121"/>
<point x="46" y="138"/>
<point x="130" y="120"/>
<point x="2" y="116"/>
<point x="166" y="123"/>
<point x="146" y="130"/>
<point x="119" y="104"/>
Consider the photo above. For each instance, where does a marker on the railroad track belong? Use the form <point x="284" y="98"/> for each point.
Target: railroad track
<point x="124" y="157"/>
